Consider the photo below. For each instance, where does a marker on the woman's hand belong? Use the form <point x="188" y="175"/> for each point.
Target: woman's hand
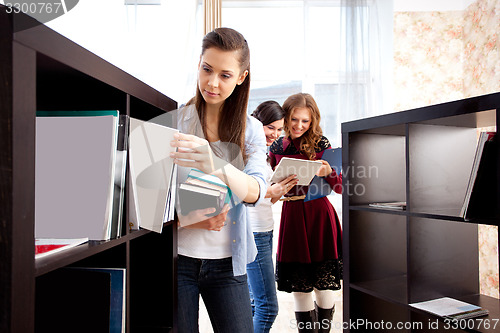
<point x="195" y="152"/>
<point x="281" y="188"/>
<point x="324" y="170"/>
<point x="215" y="223"/>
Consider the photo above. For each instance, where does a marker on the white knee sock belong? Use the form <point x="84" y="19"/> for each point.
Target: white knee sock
<point x="324" y="298"/>
<point x="303" y="301"/>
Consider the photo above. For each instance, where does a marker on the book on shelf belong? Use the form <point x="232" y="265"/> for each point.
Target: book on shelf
<point x="117" y="296"/>
<point x="152" y="173"/>
<point x="304" y="169"/>
<point x="73" y="300"/>
<point x="120" y="176"/>
<point x="319" y="187"/>
<point x="480" y="197"/>
<point x="396" y="205"/>
<point x="47" y="246"/>
<point x="200" y="191"/>
<point x="451" y="308"/>
<point x="75" y="165"/>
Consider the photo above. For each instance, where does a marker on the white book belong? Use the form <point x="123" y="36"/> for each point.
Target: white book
<point x="447" y="307"/>
<point x="304" y="169"/>
<point x="74" y="175"/>
<point x="151" y="169"/>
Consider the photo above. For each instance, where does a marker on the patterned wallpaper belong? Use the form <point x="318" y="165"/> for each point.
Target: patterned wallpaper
<point x="428" y="55"/>
<point x="481" y="48"/>
<point x="445" y="56"/>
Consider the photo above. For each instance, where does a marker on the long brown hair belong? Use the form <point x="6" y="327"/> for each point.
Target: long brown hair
<point x="309" y="140"/>
<point x="232" y="121"/>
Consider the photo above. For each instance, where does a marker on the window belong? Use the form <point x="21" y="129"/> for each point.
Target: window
<point x="294" y="47"/>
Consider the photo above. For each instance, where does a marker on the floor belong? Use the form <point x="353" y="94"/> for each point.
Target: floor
<point x="285" y="322"/>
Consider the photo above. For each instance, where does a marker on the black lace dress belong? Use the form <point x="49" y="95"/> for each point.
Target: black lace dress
<point x="310" y="237"/>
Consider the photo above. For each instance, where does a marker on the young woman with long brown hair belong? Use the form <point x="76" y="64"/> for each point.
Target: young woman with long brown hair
<point x="309" y="257"/>
<point x="219" y="138"/>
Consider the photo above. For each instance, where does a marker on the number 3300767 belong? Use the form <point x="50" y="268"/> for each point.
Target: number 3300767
<point x="33" y="8"/>
<point x="471" y="324"/>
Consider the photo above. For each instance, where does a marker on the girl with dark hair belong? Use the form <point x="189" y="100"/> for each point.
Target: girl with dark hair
<point x="261" y="271"/>
<point x="219" y="138"/>
<point x="309" y="256"/>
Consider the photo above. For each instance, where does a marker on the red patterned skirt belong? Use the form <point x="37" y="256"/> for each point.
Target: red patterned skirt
<point x="309" y="247"/>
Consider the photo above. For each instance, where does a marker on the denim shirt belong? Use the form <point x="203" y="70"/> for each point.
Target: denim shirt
<point x="243" y="247"/>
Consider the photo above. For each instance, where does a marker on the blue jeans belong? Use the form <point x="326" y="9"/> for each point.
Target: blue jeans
<point x="261" y="283"/>
<point x="226" y="296"/>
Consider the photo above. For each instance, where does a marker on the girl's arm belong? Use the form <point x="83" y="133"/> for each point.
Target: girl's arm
<point x="335" y="181"/>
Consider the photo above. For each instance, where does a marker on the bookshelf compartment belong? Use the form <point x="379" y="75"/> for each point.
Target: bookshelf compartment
<point x="63" y="295"/>
<point x="115" y="256"/>
<point x="372" y="314"/>
<point x="443" y="259"/>
<point x="434" y="186"/>
<point x="62" y="88"/>
<point x="376" y="171"/>
<point x="147" y="278"/>
<point x="378" y="264"/>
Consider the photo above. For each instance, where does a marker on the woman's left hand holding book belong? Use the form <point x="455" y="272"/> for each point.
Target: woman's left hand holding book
<point x="197" y="219"/>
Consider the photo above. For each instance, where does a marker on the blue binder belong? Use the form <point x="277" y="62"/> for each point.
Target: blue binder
<point x="319" y="187"/>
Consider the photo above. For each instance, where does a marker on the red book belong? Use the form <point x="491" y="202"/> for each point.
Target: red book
<point x="47" y="246"/>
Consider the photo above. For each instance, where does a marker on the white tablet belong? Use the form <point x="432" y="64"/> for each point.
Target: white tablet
<point x="304" y="169"/>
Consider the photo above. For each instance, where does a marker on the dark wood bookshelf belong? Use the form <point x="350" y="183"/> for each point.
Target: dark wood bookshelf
<point x="393" y="258"/>
<point x="42" y="70"/>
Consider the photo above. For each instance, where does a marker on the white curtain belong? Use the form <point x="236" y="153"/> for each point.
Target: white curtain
<point x="365" y="68"/>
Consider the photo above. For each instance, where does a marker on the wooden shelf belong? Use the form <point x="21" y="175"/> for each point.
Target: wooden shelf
<point x="437" y="215"/>
<point x="396" y="257"/>
<point x="42" y="70"/>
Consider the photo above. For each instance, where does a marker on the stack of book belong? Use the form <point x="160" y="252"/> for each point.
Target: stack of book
<point x="201" y="191"/>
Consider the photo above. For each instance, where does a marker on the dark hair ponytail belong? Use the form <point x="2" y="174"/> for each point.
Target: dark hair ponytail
<point x="268" y="112"/>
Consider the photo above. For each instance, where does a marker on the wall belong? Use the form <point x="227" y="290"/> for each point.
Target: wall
<point x="447" y="55"/>
<point x="481" y="48"/>
<point x="440" y="56"/>
<point x="428" y="64"/>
